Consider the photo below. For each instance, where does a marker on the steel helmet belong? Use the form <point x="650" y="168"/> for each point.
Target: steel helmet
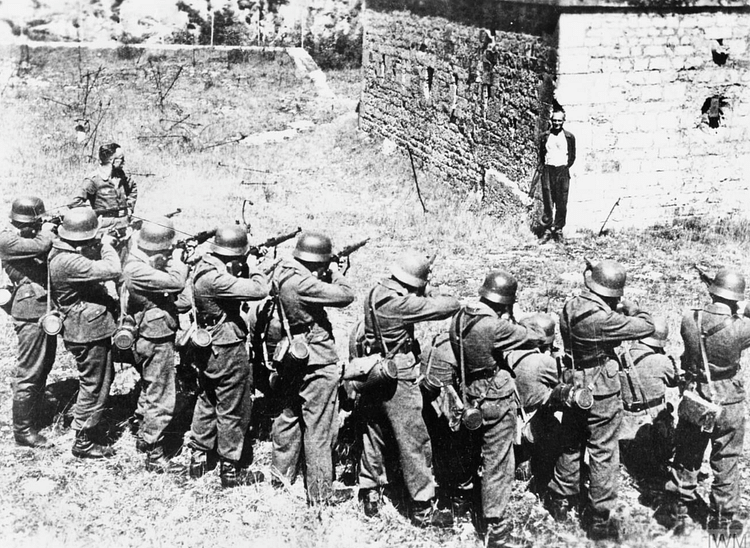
<point x="26" y="209"/>
<point x="157" y="235"/>
<point x="728" y="284"/>
<point x="660" y="335"/>
<point x="412" y="268"/>
<point x="230" y="241"/>
<point x="79" y="224"/>
<point x="543" y="322"/>
<point x="499" y="287"/>
<point x="606" y="279"/>
<point x="313" y="247"/>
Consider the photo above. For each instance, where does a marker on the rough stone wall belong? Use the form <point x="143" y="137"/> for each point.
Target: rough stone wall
<point x="637" y="89"/>
<point x="451" y="80"/>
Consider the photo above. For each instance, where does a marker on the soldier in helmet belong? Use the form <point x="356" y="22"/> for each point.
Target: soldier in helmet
<point x="715" y="337"/>
<point x="537" y="375"/>
<point x="646" y="437"/>
<point x="23" y="252"/>
<point x="592" y="325"/>
<point x="154" y="276"/>
<point x="221" y="282"/>
<point x="79" y="266"/>
<point x="306" y="285"/>
<point x="480" y="334"/>
<point x="393" y="413"/>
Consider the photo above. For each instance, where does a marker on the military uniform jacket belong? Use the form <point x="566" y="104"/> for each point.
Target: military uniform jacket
<point x="218" y="297"/>
<point x="25" y="262"/>
<point x="304" y="298"/>
<point x="649" y="376"/>
<point x="118" y="191"/>
<point x="591" y="331"/>
<point x="536" y="376"/>
<point x="397" y="311"/>
<point x="77" y="288"/>
<point x="486" y="337"/>
<point x="727" y="335"/>
<point x="153" y="294"/>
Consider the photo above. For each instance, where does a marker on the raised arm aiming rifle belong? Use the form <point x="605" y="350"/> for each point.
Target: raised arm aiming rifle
<point x="262" y="248"/>
<point x="339" y="256"/>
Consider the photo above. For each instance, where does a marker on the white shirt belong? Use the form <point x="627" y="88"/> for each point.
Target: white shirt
<point x="557" y="150"/>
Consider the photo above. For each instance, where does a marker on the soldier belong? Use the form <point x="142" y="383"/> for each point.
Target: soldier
<point x="153" y="282"/>
<point x="646" y="437"/>
<point x="79" y="265"/>
<point x="537" y="375"/>
<point x="306" y="428"/>
<point x="592" y="325"/>
<point x="393" y="413"/>
<point x="24" y="256"/>
<point x="479" y="335"/>
<point x="222" y="281"/>
<point x="717" y="334"/>
<point x="109" y="188"/>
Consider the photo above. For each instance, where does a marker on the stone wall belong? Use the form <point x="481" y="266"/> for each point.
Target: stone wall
<point x="637" y="89"/>
<point x="451" y="81"/>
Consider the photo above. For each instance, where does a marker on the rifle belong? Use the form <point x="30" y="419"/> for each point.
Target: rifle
<point x="349" y="249"/>
<point x="262" y="248"/>
<point x="58" y="219"/>
<point x="195" y="240"/>
<point x="705" y="278"/>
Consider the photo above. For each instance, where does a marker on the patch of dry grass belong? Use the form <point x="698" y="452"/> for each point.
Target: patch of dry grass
<point x="333" y="179"/>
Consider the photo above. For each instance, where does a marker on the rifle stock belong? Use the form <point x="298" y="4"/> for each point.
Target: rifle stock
<point x="349" y="249"/>
<point x="258" y="250"/>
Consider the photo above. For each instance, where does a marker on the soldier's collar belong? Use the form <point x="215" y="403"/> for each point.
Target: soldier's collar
<point x="594" y="298"/>
<point x="138" y="253"/>
<point x="718" y="308"/>
<point x="63" y="246"/>
<point x="392" y="284"/>
<point x="213" y="261"/>
<point x="480" y="309"/>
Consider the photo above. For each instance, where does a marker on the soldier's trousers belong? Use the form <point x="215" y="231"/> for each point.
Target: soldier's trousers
<point x="306" y="429"/>
<point x="555" y="186"/>
<point x="222" y="410"/>
<point x="95" y="374"/>
<point x="596" y="431"/>
<point x="726" y="441"/>
<point x="393" y="420"/>
<point x="36" y="356"/>
<point x="158" y="399"/>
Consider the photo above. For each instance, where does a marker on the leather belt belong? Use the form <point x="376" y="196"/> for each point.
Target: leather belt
<point x="302" y="329"/>
<point x="480" y="374"/>
<point x="723" y="375"/>
<point x="643" y="405"/>
<point x="119" y="213"/>
<point x="209" y="322"/>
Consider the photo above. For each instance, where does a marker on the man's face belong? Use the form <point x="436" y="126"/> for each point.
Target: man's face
<point x="557" y="121"/>
<point x="118" y="160"/>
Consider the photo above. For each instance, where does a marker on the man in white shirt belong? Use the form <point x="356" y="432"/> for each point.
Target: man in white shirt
<point x="557" y="154"/>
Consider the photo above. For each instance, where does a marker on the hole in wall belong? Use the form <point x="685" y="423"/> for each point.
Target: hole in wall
<point x="713" y="109"/>
<point x="719" y="52"/>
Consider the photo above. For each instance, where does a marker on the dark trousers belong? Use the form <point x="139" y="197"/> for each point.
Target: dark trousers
<point x="393" y="421"/>
<point x="222" y="410"/>
<point x="158" y="398"/>
<point x="596" y="431"/>
<point x="726" y="441"/>
<point x="555" y="186"/>
<point x="95" y="374"/>
<point x="36" y="355"/>
<point x="306" y="429"/>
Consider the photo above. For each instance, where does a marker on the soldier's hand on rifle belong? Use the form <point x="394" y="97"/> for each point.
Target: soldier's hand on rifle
<point x="344" y="264"/>
<point x="49" y="228"/>
<point x="626" y="307"/>
<point x="108" y="239"/>
<point x="177" y="255"/>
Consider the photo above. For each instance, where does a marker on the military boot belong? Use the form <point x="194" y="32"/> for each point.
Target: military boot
<point x="23" y="429"/>
<point x="558" y="506"/>
<point x="157" y="462"/>
<point x="724" y="523"/>
<point x="498" y="534"/>
<point x="599" y="525"/>
<point x="427" y="514"/>
<point x="372" y="501"/>
<point x="461" y="507"/>
<point x="673" y="514"/>
<point x="198" y="463"/>
<point x="85" y="448"/>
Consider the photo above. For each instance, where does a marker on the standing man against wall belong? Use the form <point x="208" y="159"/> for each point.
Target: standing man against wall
<point x="557" y="153"/>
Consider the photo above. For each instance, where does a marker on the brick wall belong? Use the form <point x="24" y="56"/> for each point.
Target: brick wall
<point x="465" y="100"/>
<point x="635" y="87"/>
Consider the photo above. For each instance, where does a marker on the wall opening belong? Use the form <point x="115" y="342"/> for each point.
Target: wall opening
<point x="712" y="111"/>
<point x="429" y="77"/>
<point x="719" y="52"/>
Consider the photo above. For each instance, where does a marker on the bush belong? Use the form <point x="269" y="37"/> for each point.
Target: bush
<point x="340" y="51"/>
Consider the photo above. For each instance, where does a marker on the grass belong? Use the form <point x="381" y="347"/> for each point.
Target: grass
<point x="334" y="179"/>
